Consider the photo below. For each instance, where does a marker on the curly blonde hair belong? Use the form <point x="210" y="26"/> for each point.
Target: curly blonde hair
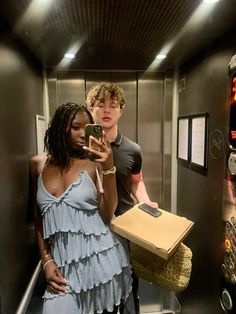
<point x="104" y="89"/>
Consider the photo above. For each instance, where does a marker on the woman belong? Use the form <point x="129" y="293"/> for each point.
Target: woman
<point x="86" y="266"/>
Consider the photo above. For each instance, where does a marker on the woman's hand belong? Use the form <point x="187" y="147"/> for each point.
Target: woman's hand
<point x="56" y="282"/>
<point x="103" y="153"/>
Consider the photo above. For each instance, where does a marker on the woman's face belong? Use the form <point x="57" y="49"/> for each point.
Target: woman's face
<point x="77" y="128"/>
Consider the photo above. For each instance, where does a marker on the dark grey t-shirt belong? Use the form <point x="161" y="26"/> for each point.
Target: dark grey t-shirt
<point x="128" y="160"/>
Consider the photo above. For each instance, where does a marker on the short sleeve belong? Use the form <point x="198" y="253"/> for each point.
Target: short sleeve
<point x="137" y="165"/>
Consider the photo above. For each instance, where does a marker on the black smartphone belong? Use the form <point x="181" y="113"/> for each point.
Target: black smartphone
<point x="153" y="211"/>
<point x="96" y="131"/>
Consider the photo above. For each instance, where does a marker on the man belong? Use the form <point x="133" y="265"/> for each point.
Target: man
<point x="106" y="102"/>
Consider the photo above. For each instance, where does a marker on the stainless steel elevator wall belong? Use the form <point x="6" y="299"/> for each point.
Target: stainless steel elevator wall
<point x="200" y="192"/>
<point x="21" y="99"/>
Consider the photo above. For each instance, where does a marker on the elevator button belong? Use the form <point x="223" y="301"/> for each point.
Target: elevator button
<point x="226" y="300"/>
<point x="232" y="163"/>
<point x="233" y="279"/>
<point x="231" y="266"/>
<point x="227" y="244"/>
<point x="223" y="268"/>
<point x="233" y="220"/>
<point x="224" y="271"/>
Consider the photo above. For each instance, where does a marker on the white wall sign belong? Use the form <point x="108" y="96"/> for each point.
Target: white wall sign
<point x="40" y="132"/>
<point x="183" y="138"/>
<point x="199" y="140"/>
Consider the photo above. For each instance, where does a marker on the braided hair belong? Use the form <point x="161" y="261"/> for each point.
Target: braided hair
<point x="57" y="139"/>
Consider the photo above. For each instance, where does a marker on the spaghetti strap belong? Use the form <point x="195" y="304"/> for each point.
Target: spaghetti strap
<point x="100" y="187"/>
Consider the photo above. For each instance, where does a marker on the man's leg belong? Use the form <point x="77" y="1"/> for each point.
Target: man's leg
<point x="135" y="293"/>
<point x="132" y="305"/>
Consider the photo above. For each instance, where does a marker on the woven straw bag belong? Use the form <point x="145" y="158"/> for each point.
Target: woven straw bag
<point x="173" y="274"/>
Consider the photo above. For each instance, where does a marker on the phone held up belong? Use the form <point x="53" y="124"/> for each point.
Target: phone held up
<point x="96" y="131"/>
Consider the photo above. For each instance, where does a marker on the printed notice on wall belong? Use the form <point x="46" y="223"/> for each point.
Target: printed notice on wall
<point x="40" y="132"/>
<point x="183" y="135"/>
<point x="198" y="141"/>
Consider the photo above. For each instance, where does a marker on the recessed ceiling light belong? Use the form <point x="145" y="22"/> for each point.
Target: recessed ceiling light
<point x="69" y="55"/>
<point x="161" y="56"/>
<point x="210" y="1"/>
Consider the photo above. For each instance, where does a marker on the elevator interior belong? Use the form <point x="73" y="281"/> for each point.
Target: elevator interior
<point x="118" y="41"/>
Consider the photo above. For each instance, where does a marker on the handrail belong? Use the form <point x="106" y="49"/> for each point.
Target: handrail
<point x="29" y="291"/>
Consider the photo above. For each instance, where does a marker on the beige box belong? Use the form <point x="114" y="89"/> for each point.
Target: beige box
<point x="160" y="235"/>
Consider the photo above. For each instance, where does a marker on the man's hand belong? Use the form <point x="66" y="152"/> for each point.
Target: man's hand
<point x="153" y="204"/>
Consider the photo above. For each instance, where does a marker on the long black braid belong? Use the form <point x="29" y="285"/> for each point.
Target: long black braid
<point x="57" y="139"/>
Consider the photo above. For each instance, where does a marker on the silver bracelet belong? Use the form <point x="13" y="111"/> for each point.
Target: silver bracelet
<point x="109" y="171"/>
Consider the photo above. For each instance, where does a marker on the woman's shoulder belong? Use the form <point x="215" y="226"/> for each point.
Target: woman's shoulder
<point x="91" y="167"/>
<point x="37" y="163"/>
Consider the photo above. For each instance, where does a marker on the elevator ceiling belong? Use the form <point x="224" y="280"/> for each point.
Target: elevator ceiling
<point x="117" y="34"/>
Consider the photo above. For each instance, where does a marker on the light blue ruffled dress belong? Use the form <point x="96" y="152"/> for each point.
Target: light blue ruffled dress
<point x="89" y="255"/>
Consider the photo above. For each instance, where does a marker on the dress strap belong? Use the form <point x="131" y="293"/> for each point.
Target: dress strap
<point x="100" y="187"/>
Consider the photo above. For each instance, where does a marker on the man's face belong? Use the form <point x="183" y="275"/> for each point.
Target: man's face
<point x="106" y="112"/>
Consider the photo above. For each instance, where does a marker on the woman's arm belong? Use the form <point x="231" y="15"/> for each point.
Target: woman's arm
<point x="109" y="198"/>
<point x="54" y="278"/>
<point x="36" y="166"/>
<point x="107" y="175"/>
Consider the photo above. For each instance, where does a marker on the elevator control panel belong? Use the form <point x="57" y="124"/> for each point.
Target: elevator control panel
<point x="228" y="285"/>
<point x="229" y="264"/>
<point x="232" y="114"/>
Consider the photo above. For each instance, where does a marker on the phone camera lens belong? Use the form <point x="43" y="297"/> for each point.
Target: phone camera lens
<point x="97" y="129"/>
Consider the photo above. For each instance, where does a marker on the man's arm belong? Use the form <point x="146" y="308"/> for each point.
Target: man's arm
<point x="139" y="189"/>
